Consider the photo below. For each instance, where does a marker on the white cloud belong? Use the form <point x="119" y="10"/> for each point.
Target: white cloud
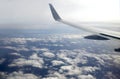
<point x="21" y="75"/>
<point x="16" y="54"/>
<point x="86" y="77"/>
<point x="3" y="75"/>
<point x="72" y="36"/>
<point x="18" y="75"/>
<point x="89" y="69"/>
<point x="78" y="57"/>
<point x="48" y="54"/>
<point x="51" y="78"/>
<point x="34" y="61"/>
<point x="117" y="60"/>
<point x="82" y="56"/>
<point x="55" y="75"/>
<point x="110" y="75"/>
<point x="57" y="62"/>
<point x="69" y="59"/>
<point x="44" y="49"/>
<point x="34" y="56"/>
<point x="20" y="41"/>
<point x="35" y="49"/>
<point x="72" y="70"/>
<point x="20" y="48"/>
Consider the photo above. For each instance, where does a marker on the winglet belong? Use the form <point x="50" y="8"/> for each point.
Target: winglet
<point x="54" y="13"/>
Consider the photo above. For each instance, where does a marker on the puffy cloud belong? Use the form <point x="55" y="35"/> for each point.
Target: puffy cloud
<point x="35" y="49"/>
<point x="14" y="40"/>
<point x="49" y="54"/>
<point x="81" y="56"/>
<point x="33" y="60"/>
<point x="110" y="75"/>
<point x="16" y="54"/>
<point x="71" y="70"/>
<point x="22" y="49"/>
<point x="86" y="77"/>
<point x="51" y="78"/>
<point x="55" y="75"/>
<point x="117" y="60"/>
<point x="72" y="57"/>
<point x="3" y="75"/>
<point x="19" y="48"/>
<point x="64" y="55"/>
<point x="44" y="49"/>
<point x="72" y="36"/>
<point x="35" y="56"/>
<point x="21" y="75"/>
<point x="77" y="63"/>
<point x="57" y="62"/>
<point x="88" y="69"/>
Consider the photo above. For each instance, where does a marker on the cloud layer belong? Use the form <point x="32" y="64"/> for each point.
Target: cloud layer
<point x="58" y="56"/>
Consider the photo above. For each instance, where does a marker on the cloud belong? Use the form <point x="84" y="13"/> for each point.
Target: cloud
<point x="48" y="54"/>
<point x="35" y="49"/>
<point x="71" y="70"/>
<point x="51" y="78"/>
<point x="14" y="40"/>
<point x="34" y="56"/>
<point x="18" y="40"/>
<point x="21" y="75"/>
<point x="57" y="62"/>
<point x="86" y="77"/>
<point x="110" y="75"/>
<point x="33" y="60"/>
<point x="16" y="54"/>
<point x="88" y="69"/>
<point x="44" y="49"/>
<point x="19" y="48"/>
<point x="72" y="36"/>
<point x="55" y="75"/>
<point x="72" y="57"/>
<point x="72" y="63"/>
<point x="2" y="60"/>
<point x="3" y="75"/>
<point x="117" y="60"/>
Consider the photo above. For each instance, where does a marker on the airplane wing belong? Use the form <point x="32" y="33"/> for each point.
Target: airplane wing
<point x="98" y="31"/>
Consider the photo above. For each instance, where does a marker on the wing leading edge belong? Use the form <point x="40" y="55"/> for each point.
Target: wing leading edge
<point x="103" y="32"/>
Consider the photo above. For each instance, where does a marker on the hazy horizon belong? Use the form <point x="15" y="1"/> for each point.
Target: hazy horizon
<point x="21" y="14"/>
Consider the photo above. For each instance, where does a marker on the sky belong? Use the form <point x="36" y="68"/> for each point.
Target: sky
<point x="36" y="13"/>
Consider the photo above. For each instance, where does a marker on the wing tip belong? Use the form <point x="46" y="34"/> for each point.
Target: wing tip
<point x="54" y="13"/>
